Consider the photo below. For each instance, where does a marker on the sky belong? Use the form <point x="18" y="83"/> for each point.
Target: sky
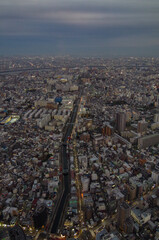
<point x="98" y="28"/>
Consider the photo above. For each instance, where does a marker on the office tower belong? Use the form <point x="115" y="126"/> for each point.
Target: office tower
<point x="14" y="233"/>
<point x="148" y="140"/>
<point x="120" y="121"/>
<point x="108" y="130"/>
<point x="4" y="233"/>
<point x="142" y="126"/>
<point x="156" y="117"/>
<point x="17" y="233"/>
<point x="123" y="214"/>
<point x="128" y="225"/>
<point x="88" y="212"/>
<point x="139" y="190"/>
<point x="40" y="216"/>
<point x="131" y="192"/>
<point x="111" y="204"/>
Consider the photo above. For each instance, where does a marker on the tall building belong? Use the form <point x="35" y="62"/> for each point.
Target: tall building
<point x="155" y="176"/>
<point x="40" y="216"/>
<point x="88" y="212"/>
<point x="123" y="214"/>
<point x="109" y="130"/>
<point x="139" y="190"/>
<point x="13" y="233"/>
<point x="156" y="117"/>
<point x="131" y="192"/>
<point x="128" y="225"/>
<point x="148" y="141"/>
<point x="120" y="121"/>
<point x="142" y="126"/>
<point x="17" y="233"/>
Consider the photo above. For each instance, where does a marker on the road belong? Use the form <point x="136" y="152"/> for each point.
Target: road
<point x="66" y="176"/>
<point x="15" y="71"/>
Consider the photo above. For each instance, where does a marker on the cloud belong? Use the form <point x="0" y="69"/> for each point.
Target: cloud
<point x="138" y="41"/>
<point x="30" y="21"/>
<point x="81" y="12"/>
<point x="73" y="22"/>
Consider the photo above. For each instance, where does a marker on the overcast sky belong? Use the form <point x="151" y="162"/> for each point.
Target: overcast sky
<point x="108" y="28"/>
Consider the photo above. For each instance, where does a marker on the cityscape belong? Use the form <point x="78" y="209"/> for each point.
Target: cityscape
<point x="79" y="148"/>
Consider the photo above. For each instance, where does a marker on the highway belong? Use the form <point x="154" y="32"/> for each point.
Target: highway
<point x="15" y="71"/>
<point x="66" y="177"/>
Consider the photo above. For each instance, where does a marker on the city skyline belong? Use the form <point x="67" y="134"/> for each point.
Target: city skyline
<point x="81" y="28"/>
<point x="79" y="148"/>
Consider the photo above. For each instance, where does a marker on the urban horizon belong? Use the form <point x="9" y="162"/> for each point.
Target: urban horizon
<point x="79" y="148"/>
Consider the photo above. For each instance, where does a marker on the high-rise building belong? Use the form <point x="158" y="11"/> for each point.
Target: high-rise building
<point x="4" y="233"/>
<point x="40" y="216"/>
<point x="142" y="126"/>
<point x="128" y="225"/>
<point x="131" y="192"/>
<point x="109" y="130"/>
<point x="11" y="233"/>
<point x="123" y="214"/>
<point x="88" y="212"/>
<point x="148" y="140"/>
<point x="139" y="190"/>
<point x="120" y="121"/>
<point x="111" y="204"/>
<point x="156" y="117"/>
<point x="155" y="176"/>
<point x="17" y="233"/>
